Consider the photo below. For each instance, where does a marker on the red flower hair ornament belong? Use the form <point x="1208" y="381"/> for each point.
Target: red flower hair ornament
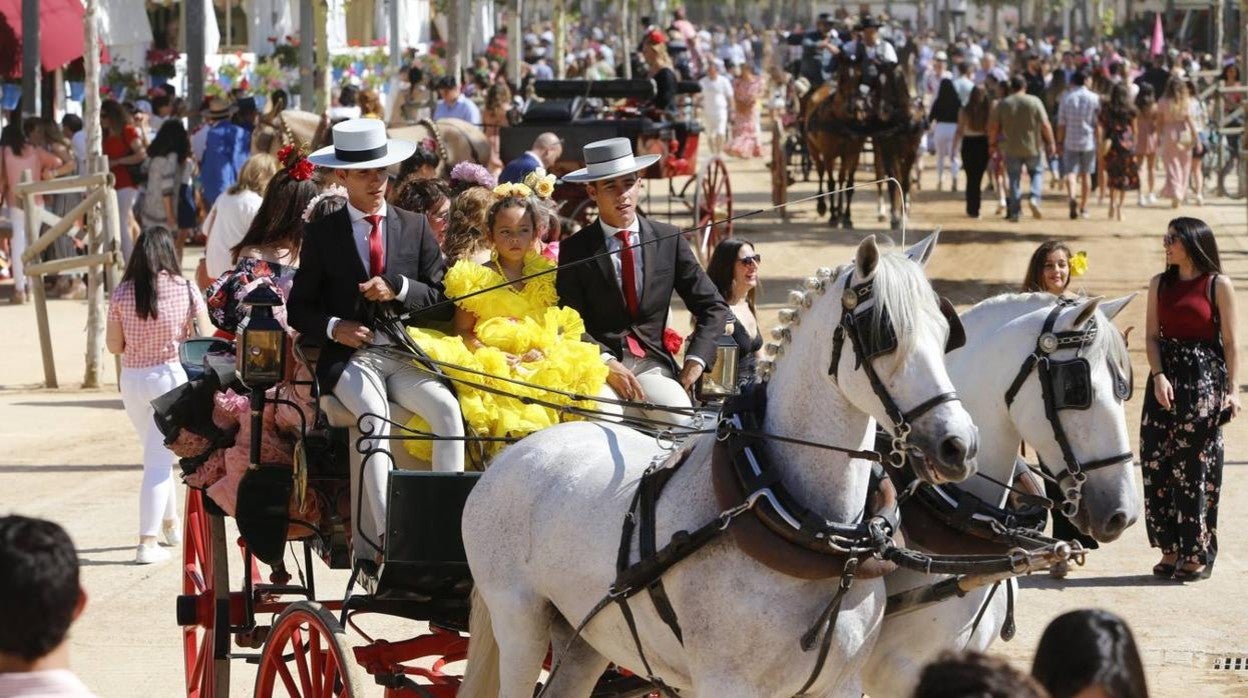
<point x="294" y="160"/>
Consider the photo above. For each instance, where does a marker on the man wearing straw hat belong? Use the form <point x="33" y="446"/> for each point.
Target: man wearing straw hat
<point x="624" y="295"/>
<point x="367" y="257"/>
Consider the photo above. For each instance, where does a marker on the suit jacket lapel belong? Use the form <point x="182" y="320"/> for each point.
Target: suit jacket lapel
<point x="649" y="257"/>
<point x="394" y="229"/>
<point x="348" y="237"/>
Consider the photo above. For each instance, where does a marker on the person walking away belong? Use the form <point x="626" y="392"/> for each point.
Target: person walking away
<point x="1059" y="84"/>
<point x="1200" y="119"/>
<point x="1118" y="126"/>
<point x="746" y="90"/>
<point x="716" y="101"/>
<point x="972" y="142"/>
<point x="41" y="596"/>
<point x="963" y="84"/>
<point x="125" y="148"/>
<point x="1026" y="135"/>
<point x="226" y="149"/>
<point x="1079" y="130"/>
<point x="228" y="221"/>
<point x="1177" y="138"/>
<point x="151" y="312"/>
<point x="17" y="155"/>
<point x="169" y="153"/>
<point x="1192" y="391"/>
<point x="944" y="118"/>
<point x="734" y="271"/>
<point x="1146" y="140"/>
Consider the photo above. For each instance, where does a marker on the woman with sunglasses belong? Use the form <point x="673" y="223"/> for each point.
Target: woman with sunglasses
<point x="1191" y="392"/>
<point x="734" y="271"/>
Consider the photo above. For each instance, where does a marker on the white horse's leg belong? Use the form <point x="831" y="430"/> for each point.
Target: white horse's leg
<point x="579" y="669"/>
<point x="521" y="623"/>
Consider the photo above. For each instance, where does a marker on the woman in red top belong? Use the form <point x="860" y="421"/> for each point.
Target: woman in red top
<point x="123" y="144"/>
<point x="1191" y="392"/>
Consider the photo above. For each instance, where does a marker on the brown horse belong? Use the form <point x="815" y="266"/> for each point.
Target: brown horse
<point x="457" y="141"/>
<point x="897" y="142"/>
<point x="837" y="117"/>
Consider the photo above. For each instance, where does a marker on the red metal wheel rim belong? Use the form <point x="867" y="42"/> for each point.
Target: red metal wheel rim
<point x="715" y="203"/>
<point x="200" y="575"/>
<point x="305" y="657"/>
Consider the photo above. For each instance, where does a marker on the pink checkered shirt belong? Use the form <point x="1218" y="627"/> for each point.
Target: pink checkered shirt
<point x="154" y="341"/>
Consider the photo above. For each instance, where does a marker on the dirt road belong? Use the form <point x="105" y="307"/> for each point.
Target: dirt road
<point x="71" y="456"/>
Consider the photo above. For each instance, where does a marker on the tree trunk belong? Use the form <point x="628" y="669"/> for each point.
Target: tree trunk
<point x="194" y="43"/>
<point x="515" y="46"/>
<point x="31" y="66"/>
<point x="307" y="55"/>
<point x="561" y="40"/>
<point x="323" y="89"/>
<point x="91" y="122"/>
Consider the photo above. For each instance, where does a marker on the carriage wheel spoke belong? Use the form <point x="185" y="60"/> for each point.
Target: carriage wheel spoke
<point x="318" y="661"/>
<point x="300" y="652"/>
<point x="283" y="671"/>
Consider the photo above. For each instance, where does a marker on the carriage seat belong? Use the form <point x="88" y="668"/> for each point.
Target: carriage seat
<point x="338" y="416"/>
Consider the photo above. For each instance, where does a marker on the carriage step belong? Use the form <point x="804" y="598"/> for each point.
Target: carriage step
<point x="281" y="590"/>
<point x="246" y="657"/>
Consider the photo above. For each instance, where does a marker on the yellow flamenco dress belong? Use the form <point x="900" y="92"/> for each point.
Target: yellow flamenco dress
<point x="512" y="322"/>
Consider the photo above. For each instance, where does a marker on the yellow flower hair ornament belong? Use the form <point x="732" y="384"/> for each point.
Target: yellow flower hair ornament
<point x="541" y="183"/>
<point x="515" y="189"/>
<point x="1079" y="264"/>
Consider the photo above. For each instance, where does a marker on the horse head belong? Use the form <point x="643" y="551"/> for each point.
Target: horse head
<point x="1056" y="361"/>
<point x="877" y="339"/>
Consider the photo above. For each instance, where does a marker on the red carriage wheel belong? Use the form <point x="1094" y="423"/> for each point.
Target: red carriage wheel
<point x="307" y="655"/>
<point x="203" y="608"/>
<point x="713" y="203"/>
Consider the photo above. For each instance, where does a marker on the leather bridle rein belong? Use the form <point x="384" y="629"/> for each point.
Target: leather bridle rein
<point x="1047" y="368"/>
<point x="869" y="342"/>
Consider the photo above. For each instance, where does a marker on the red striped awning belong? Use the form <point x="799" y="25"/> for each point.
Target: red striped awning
<point x="60" y="34"/>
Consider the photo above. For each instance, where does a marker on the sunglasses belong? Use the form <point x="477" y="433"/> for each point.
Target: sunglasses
<point x="753" y="260"/>
<point x="1170" y="239"/>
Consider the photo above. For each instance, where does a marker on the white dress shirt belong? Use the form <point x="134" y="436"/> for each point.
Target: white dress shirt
<point x="360" y="230"/>
<point x="614" y="247"/>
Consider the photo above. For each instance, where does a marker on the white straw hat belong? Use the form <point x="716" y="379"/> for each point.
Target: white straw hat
<point x="609" y="158"/>
<point x="361" y="144"/>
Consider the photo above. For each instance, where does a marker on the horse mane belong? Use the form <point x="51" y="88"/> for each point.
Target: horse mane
<point x="900" y="286"/>
<point x="1109" y="342"/>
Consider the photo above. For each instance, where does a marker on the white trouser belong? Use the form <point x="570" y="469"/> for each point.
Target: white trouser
<point x="660" y="388"/>
<point x="125" y="213"/>
<point x="369" y="381"/>
<point x="18" y="245"/>
<point x="158" y="499"/>
<point x="944" y="133"/>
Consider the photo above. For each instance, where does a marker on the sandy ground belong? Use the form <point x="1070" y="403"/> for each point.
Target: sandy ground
<point x="70" y="455"/>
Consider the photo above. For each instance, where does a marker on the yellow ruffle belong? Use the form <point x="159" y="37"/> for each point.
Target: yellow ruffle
<point x="512" y="322"/>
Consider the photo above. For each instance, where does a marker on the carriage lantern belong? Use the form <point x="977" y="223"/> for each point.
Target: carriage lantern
<point x="720" y="380"/>
<point x="262" y="340"/>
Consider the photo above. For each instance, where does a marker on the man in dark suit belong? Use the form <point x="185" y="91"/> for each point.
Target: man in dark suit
<point x="365" y="259"/>
<point x="545" y="152"/>
<point x="624" y="296"/>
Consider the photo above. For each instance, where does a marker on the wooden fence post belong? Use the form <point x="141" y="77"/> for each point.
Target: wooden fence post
<point x="36" y="286"/>
<point x="111" y="242"/>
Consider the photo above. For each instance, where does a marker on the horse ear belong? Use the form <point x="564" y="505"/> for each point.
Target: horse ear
<point x="922" y="250"/>
<point x="868" y="256"/>
<point x="1113" y="307"/>
<point x="1086" y="310"/>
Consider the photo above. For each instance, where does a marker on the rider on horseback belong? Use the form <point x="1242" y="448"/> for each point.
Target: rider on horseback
<point x="870" y="49"/>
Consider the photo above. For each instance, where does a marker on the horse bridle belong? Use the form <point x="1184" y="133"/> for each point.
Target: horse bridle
<point x="869" y="342"/>
<point x="1073" y="378"/>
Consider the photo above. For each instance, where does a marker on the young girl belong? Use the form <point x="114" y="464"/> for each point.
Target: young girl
<point x="516" y="331"/>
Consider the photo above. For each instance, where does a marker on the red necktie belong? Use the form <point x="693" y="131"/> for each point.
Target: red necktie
<point x="376" y="264"/>
<point x="628" y="279"/>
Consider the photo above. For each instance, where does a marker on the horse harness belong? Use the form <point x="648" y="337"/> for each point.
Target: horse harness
<point x="870" y="339"/>
<point x="1067" y="385"/>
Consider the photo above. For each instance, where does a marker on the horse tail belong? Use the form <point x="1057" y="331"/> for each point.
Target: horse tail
<point x="481" y="677"/>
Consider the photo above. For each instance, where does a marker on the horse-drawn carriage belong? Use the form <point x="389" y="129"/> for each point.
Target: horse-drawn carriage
<point x="419" y="571"/>
<point x="578" y="112"/>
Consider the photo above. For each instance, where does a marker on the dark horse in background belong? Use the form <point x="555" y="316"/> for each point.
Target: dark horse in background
<point x="838" y="117"/>
<point x="900" y="123"/>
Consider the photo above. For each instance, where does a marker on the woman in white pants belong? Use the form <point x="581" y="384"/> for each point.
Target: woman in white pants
<point x="716" y="98"/>
<point x="152" y="311"/>
<point x="944" y="118"/>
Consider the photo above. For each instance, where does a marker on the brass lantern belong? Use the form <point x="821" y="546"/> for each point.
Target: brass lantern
<point x="262" y="340"/>
<point x="720" y="380"/>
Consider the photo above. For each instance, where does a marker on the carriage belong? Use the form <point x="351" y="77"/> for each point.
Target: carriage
<point x="698" y="197"/>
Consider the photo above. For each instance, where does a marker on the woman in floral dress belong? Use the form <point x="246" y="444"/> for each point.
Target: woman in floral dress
<point x="747" y="88"/>
<point x="1118" y="123"/>
<point x="1191" y="392"/>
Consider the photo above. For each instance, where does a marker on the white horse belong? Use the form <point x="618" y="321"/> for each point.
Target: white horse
<point x="542" y="527"/>
<point x="1001" y="332"/>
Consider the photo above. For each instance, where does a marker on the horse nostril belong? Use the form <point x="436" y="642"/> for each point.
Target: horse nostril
<point x="953" y="451"/>
<point x="1116" y="523"/>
